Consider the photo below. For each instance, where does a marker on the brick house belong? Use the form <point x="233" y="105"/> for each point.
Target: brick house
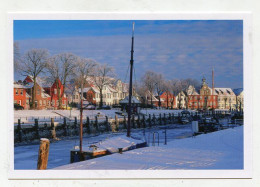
<point x="20" y="95"/>
<point x="207" y="99"/>
<point x="168" y="100"/>
<point x="53" y="92"/>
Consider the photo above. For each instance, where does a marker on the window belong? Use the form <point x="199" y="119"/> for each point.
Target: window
<point x="40" y="103"/>
<point x="44" y="102"/>
<point x="21" y="92"/>
<point x="16" y="91"/>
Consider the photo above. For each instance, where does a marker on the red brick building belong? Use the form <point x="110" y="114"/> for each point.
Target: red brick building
<point x="20" y="96"/>
<point x="53" y="92"/>
<point x="168" y="100"/>
<point x="203" y="100"/>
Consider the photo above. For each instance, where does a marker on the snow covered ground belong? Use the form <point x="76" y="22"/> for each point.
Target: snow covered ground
<point x="218" y="150"/>
<point x="28" y="116"/>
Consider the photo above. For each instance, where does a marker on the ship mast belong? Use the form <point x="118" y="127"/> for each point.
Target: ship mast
<point x="130" y="85"/>
<point x="212" y="93"/>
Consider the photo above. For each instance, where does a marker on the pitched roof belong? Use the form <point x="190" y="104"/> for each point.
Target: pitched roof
<point x="224" y="91"/>
<point x="126" y="100"/>
<point x="238" y="91"/>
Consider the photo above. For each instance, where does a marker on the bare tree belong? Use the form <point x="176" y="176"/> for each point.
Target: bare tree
<point x="149" y="83"/>
<point x="159" y="84"/>
<point x="33" y="63"/>
<point x="104" y="75"/>
<point x="175" y="88"/>
<point x="17" y="56"/>
<point x="167" y="89"/>
<point x="61" y="68"/>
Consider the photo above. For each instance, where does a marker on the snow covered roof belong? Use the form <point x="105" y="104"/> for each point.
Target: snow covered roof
<point x="111" y="89"/>
<point x="224" y="91"/>
<point x="126" y="100"/>
<point x="45" y="95"/>
<point x="19" y="86"/>
<point x="191" y="90"/>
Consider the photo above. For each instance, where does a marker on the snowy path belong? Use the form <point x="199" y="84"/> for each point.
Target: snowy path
<point x="218" y="150"/>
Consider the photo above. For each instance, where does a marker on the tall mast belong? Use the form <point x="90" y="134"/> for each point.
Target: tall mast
<point x="212" y="88"/>
<point x="130" y="84"/>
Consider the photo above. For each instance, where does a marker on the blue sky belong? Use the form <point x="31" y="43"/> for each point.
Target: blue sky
<point x="177" y="49"/>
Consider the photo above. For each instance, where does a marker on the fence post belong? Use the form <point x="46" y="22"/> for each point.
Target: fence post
<point x="43" y="154"/>
<point x="116" y="123"/>
<point x="143" y="122"/>
<point x="138" y="121"/>
<point x="65" y="126"/>
<point x="107" y="124"/>
<point x="125" y="123"/>
<point x="150" y="120"/>
<point x="75" y="126"/>
<point x="36" y="126"/>
<point x="160" y="119"/>
<point x="133" y="121"/>
<point x="19" y="130"/>
<point x="53" y="132"/>
<point x="96" y="123"/>
<point x="173" y="118"/>
<point x="154" y="119"/>
<point x="88" y="125"/>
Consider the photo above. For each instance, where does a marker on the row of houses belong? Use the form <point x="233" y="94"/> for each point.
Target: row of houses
<point x="203" y="98"/>
<point x="47" y="96"/>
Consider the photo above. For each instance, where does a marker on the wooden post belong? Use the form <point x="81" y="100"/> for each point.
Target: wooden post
<point x="43" y="154"/>
<point x="125" y="123"/>
<point x="116" y="122"/>
<point x="107" y="124"/>
<point x="150" y="120"/>
<point x="138" y="121"/>
<point x="154" y="119"/>
<point x="133" y="121"/>
<point x="143" y="122"/>
<point x="75" y="126"/>
<point x="19" y="130"/>
<point x="53" y="132"/>
<point x="65" y="126"/>
<point x="88" y="125"/>
<point x="160" y="118"/>
<point x="36" y="126"/>
<point x="96" y="123"/>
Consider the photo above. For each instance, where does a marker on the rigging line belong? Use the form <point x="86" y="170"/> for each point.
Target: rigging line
<point x="126" y="72"/>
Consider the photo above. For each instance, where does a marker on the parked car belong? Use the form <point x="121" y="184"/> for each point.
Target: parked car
<point x="90" y="107"/>
<point x="18" y="107"/>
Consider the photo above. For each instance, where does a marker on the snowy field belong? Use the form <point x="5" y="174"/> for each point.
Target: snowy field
<point x="25" y="157"/>
<point x="28" y="116"/>
<point x="218" y="150"/>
